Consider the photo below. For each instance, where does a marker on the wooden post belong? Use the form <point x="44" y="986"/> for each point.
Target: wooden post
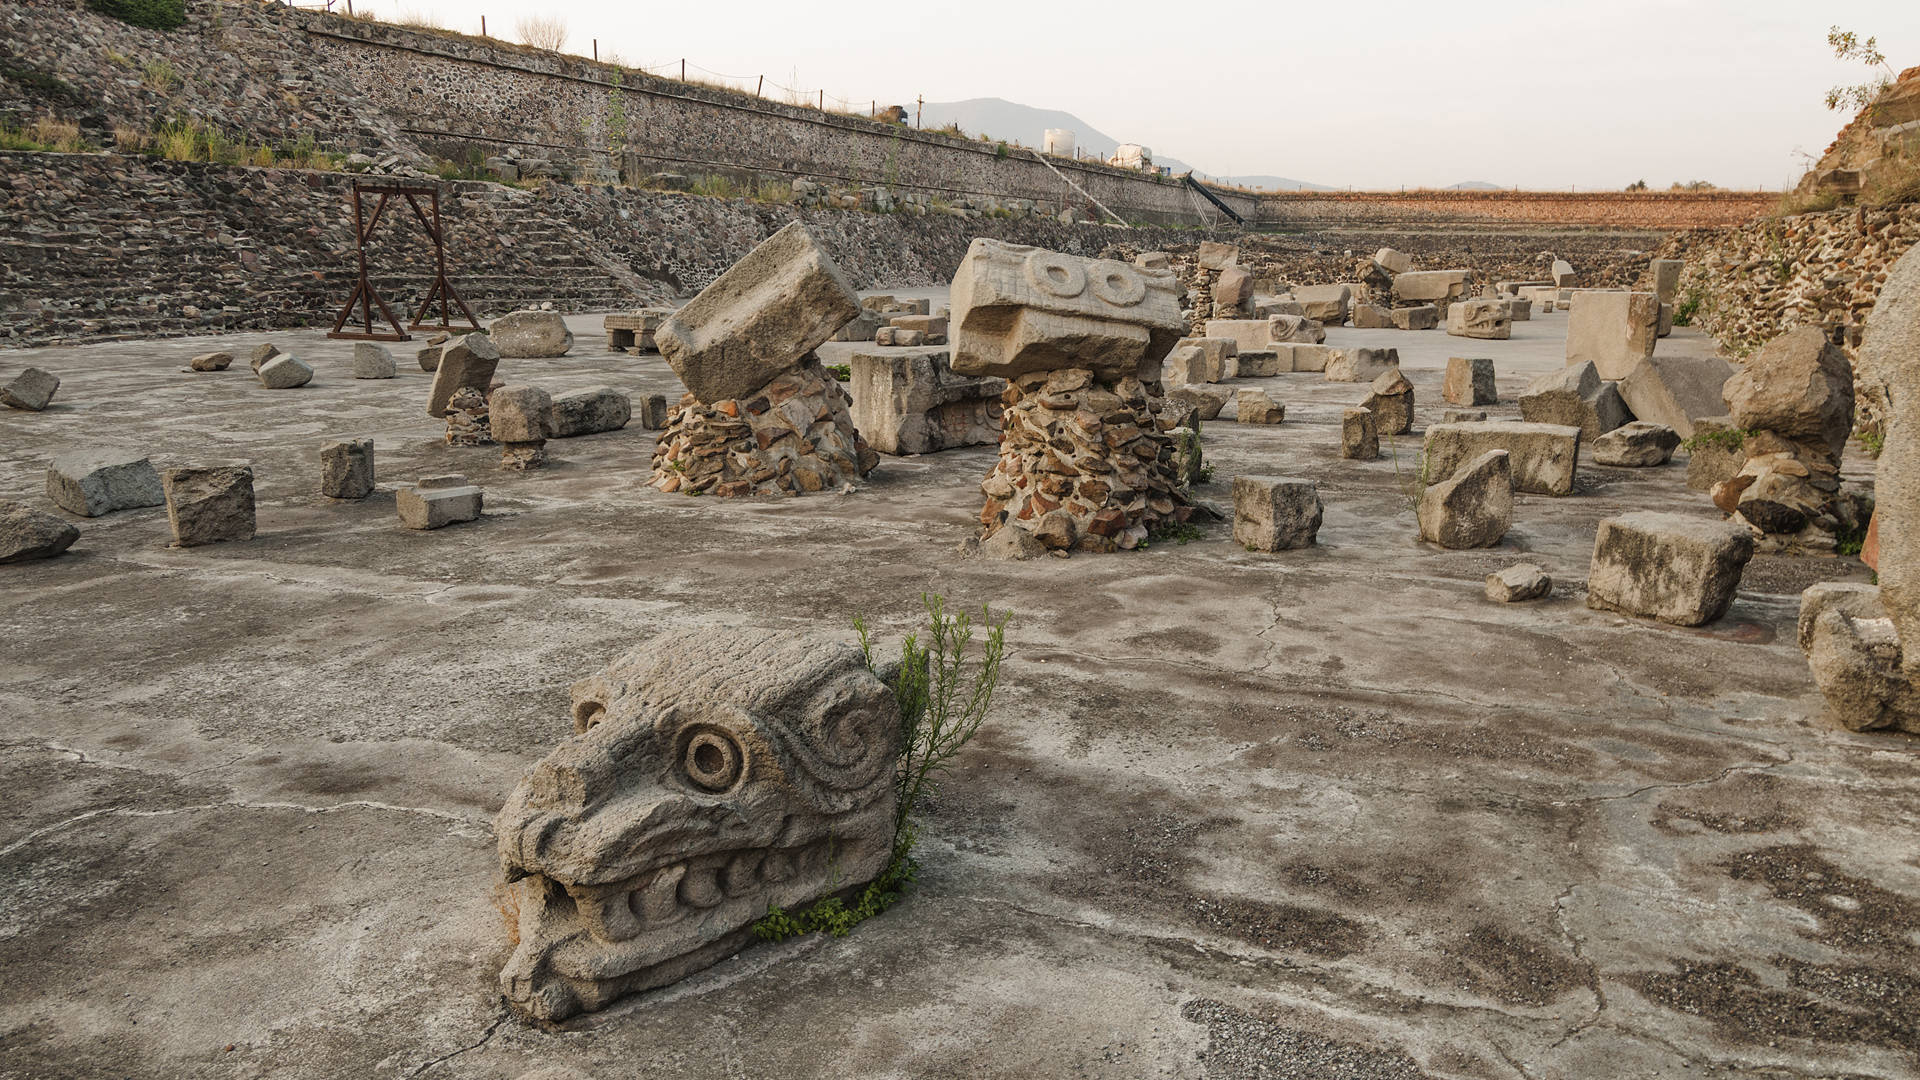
<point x="683" y="69"/>
<point x="483" y="26"/>
<point x="918" y="104"/>
<point x="759" y="86"/>
<point x="596" y="50"/>
<point x="823" y="101"/>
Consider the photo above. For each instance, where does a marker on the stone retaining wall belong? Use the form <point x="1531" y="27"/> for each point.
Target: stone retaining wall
<point x="1657" y="210"/>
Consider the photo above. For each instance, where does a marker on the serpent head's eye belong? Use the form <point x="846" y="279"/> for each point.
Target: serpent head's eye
<point x="713" y="760"/>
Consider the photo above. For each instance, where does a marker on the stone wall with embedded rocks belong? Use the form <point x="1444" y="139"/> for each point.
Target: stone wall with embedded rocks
<point x="1634" y="210"/>
<point x="1750" y="284"/>
<point x="96" y="246"/>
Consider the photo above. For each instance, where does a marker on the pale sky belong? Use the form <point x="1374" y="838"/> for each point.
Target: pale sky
<point x="1384" y="94"/>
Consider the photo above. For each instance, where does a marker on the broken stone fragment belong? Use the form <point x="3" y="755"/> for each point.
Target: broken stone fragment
<point x="1854" y="599"/>
<point x="1275" y="513"/>
<point x="1614" y="331"/>
<point x="653" y="412"/>
<point x="1462" y="416"/>
<point x="1675" y="390"/>
<point x="1430" y="287"/>
<point x="1372" y="317"/>
<point x="346" y="469"/>
<point x="1356" y="364"/>
<point x="517" y="417"/>
<point x="759" y="319"/>
<point x="212" y="361"/>
<point x="1294" y="329"/>
<point x="1253" y="406"/>
<point x="31" y="390"/>
<point x="372" y="360"/>
<point x="1012" y="543"/>
<point x="1214" y="255"/>
<point x="27" y="534"/>
<point x="1472" y="508"/>
<point x="1543" y="457"/>
<point x="1390" y="399"/>
<point x="1469" y="381"/>
<point x="209" y="504"/>
<point x="1638" y="445"/>
<point x="466" y="362"/>
<point x="1232" y="289"/>
<point x="261" y="353"/>
<point x="1262" y="363"/>
<point x="1517" y="583"/>
<point x="1395" y="262"/>
<point x="1359" y="435"/>
<point x="1575" y="395"/>
<point x="1417" y="317"/>
<point x="429" y="354"/>
<point x="1676" y="568"/>
<point x="1239" y="334"/>
<point x="914" y="403"/>
<point x="530" y="335"/>
<point x="1206" y="401"/>
<point x="590" y="412"/>
<point x="1800" y="386"/>
<point x="1324" y="304"/>
<point x="1019" y="309"/>
<point x="285" y="372"/>
<point x="95" y="482"/>
<point x="437" y="501"/>
<point x="1857" y="662"/>
<point x="714" y="774"/>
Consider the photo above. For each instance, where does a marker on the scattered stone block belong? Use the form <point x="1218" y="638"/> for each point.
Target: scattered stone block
<point x="1013" y="543"/>
<point x="1469" y="381"/>
<point x="1857" y="663"/>
<point x="1275" y="513"/>
<point x="1563" y="275"/>
<point x="1267" y="309"/>
<point x="1436" y="287"/>
<point x="517" y="417"/>
<point x="95" y="482"/>
<point x="1473" y="507"/>
<point x="429" y="354"/>
<point x="261" y="353"/>
<point x="1356" y="365"/>
<point x="1798" y="386"/>
<point x="1395" y="262"/>
<point x="1232" y="289"/>
<point x="1717" y="453"/>
<point x="1485" y="319"/>
<point x="1319" y="357"/>
<point x="209" y="504"/>
<point x="1517" y="310"/>
<point x="1359" y="435"/>
<point x="931" y="328"/>
<point x="1518" y="583"/>
<point x="1390" y="400"/>
<point x="758" y="320"/>
<point x="1543" y="457"/>
<point x="1614" y="331"/>
<point x="865" y="326"/>
<point x="1206" y="401"/>
<point x="31" y="390"/>
<point x="1676" y="390"/>
<point x="372" y="361"/>
<point x="346" y="469"/>
<point x="465" y="363"/>
<point x="1854" y="599"/>
<point x="27" y="534"/>
<point x="634" y="331"/>
<point x="1666" y="278"/>
<point x="1216" y="361"/>
<point x="1324" y="304"/>
<point x="285" y="372"/>
<point x="1372" y="317"/>
<point x="1295" y="329"/>
<point x="530" y="334"/>
<point x="437" y="501"/>
<point x="1242" y="333"/>
<point x="653" y="412"/>
<point x="1575" y="395"/>
<point x="913" y="403"/>
<point x="1258" y="407"/>
<point x="1214" y="255"/>
<point x="1262" y="363"/>
<point x="590" y="412"/>
<point x="212" y="361"/>
<point x="1675" y="568"/>
<point x="1018" y="310"/>
<point x="1417" y="317"/>
<point x="1153" y="260"/>
<point x="1462" y="416"/>
<point x="1638" y="445"/>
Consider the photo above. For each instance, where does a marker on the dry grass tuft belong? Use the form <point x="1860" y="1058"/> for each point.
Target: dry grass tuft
<point x="543" y="32"/>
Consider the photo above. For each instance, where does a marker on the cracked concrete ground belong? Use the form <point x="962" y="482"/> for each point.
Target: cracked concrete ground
<point x="1322" y="814"/>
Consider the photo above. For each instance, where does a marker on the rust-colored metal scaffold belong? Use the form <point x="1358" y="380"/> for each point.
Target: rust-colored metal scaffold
<point x="363" y="294"/>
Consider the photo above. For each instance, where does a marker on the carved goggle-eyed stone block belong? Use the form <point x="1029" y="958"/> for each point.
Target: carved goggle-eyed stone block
<point x="1020" y="309"/>
<point x="715" y="773"/>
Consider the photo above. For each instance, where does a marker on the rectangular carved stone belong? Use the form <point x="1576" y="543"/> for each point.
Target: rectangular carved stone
<point x="437" y="501"/>
<point x="913" y="403"/>
<point x="466" y="362"/>
<point x="589" y="412"/>
<point x="1244" y="333"/>
<point x="346" y="469"/>
<point x="1275" y="513"/>
<point x="95" y="482"/>
<point x="209" y="504"/>
<point x="1486" y="319"/>
<point x="1019" y="309"/>
<point x="1544" y="456"/>
<point x="776" y="305"/>
<point x="1677" y="568"/>
<point x="1614" y="330"/>
<point x="1676" y="390"/>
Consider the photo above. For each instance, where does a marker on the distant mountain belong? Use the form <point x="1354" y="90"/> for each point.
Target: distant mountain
<point x="1476" y="185"/>
<point x="1026" y="125"/>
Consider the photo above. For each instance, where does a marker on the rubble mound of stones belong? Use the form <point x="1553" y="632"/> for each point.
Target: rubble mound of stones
<point x="795" y="435"/>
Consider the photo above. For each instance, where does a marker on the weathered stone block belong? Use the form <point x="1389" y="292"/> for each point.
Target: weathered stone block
<point x="1356" y="364"/>
<point x="1206" y="401"/>
<point x="1359" y="435"/>
<point x="1232" y="289"/>
<point x="437" y="501"/>
<point x="1799" y="385"/>
<point x="1666" y="278"/>
<point x="1855" y="599"/>
<point x="913" y="403"/>
<point x="1543" y="457"/>
<point x="1417" y="317"/>
<point x="1390" y="400"/>
<point x="212" y="361"/>
<point x="518" y="413"/>
<point x="1469" y="381"/>
<point x="1262" y="363"/>
<point x="1324" y="304"/>
<point x="372" y="361"/>
<point x="1319" y="357"/>
<point x="27" y="534"/>
<point x="590" y="412"/>
<point x="1214" y="255"/>
<point x="1436" y="287"/>
<point x="1485" y="319"/>
<point x="1473" y="507"/>
<point x="1372" y="317"/>
<point x="1217" y="360"/>
<point x="757" y="320"/>
<point x="1518" y="583"/>
<point x="1396" y="262"/>
<point x="465" y="363"/>
<point x="1253" y="406"/>
<point x="346" y="469"/>
<point x="1575" y="395"/>
<point x="1675" y="390"/>
<point x="1297" y="329"/>
<point x="31" y="390"/>
<point x="1638" y="445"/>
<point x="1275" y="513"/>
<point x="261" y="353"/>
<point x="1563" y="275"/>
<point x="285" y="372"/>
<point x="1675" y="568"/>
<point x="209" y="504"/>
<point x="530" y="334"/>
<point x="95" y="482"/>
<point x="653" y="412"/>
<point x="1243" y="333"/>
<point x="1019" y="309"/>
<point x="1614" y="331"/>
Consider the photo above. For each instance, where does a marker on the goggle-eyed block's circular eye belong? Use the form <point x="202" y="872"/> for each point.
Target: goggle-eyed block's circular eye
<point x="713" y="760"/>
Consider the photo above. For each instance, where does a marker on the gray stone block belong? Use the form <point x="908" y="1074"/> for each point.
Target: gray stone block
<point x="95" y="482"/>
<point x="1275" y="513"/>
<point x="209" y="504"/>
<point x="1676" y="568"/>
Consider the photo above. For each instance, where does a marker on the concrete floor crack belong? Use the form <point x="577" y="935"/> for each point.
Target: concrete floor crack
<point x="485" y="1037"/>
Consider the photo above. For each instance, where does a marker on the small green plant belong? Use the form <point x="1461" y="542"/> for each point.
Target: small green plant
<point x="1205" y="475"/>
<point x="150" y="14"/>
<point x="1000" y="150"/>
<point x="840" y="372"/>
<point x="118" y="59"/>
<point x="715" y="186"/>
<point x="943" y="695"/>
<point x="1872" y="441"/>
<point x="160" y="76"/>
<point x="1689" y="305"/>
<point x="1174" y="532"/>
<point x="1728" y="439"/>
<point x="1847" y="45"/>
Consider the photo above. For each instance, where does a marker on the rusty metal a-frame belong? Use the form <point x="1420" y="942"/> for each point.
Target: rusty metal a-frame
<point x="363" y="293"/>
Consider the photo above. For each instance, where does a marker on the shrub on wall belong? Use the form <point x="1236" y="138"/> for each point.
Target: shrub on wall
<point x="152" y="14"/>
